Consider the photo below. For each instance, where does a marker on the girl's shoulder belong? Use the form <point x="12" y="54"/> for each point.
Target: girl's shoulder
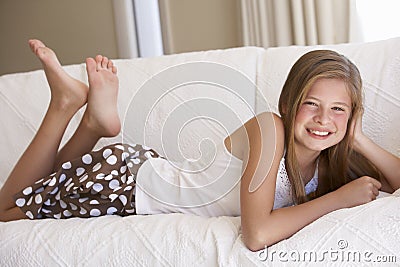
<point x="268" y="116"/>
<point x="266" y="123"/>
<point x="263" y="130"/>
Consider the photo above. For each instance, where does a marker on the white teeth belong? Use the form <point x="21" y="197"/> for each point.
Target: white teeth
<point x="319" y="133"/>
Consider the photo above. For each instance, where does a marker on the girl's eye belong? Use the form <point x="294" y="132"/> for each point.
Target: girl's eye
<point x="310" y="103"/>
<point x="338" y="109"/>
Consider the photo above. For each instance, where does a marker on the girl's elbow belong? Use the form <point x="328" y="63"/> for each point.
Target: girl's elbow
<point x="258" y="234"/>
<point x="254" y="245"/>
<point x="256" y="241"/>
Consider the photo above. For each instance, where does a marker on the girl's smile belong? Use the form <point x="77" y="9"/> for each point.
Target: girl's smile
<point x="321" y="121"/>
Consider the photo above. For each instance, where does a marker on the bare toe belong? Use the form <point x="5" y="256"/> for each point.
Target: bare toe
<point x="45" y="54"/>
<point x="35" y="44"/>
<point x="90" y="65"/>
<point x="110" y="66"/>
<point x="104" y="63"/>
<point x="98" y="59"/>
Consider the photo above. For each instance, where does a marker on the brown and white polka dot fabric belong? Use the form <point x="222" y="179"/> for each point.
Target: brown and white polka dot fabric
<point x="98" y="183"/>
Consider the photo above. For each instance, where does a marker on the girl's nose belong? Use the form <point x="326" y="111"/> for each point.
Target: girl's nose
<point x="322" y="117"/>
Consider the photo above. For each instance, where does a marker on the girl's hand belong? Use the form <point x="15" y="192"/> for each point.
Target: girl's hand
<point x="356" y="131"/>
<point x="359" y="191"/>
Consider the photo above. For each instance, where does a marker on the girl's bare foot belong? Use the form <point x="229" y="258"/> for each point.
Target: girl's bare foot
<point x="101" y="115"/>
<point x="67" y="93"/>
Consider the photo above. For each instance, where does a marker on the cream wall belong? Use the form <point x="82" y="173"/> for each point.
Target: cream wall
<point x="74" y="28"/>
<point x="192" y="25"/>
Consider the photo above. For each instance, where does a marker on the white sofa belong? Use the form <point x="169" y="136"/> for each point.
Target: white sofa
<point x="368" y="233"/>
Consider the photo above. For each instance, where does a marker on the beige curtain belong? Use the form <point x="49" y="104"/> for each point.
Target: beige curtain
<point x="125" y="29"/>
<point x="269" y="23"/>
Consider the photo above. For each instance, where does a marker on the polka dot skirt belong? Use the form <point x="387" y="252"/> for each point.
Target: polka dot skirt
<point x="98" y="183"/>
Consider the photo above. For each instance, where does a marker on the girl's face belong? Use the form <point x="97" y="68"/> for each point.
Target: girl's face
<point x="321" y="121"/>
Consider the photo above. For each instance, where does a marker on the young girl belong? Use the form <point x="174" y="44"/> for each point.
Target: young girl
<point x="315" y="155"/>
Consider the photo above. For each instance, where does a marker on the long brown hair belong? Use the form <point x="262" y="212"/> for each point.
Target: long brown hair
<point x="339" y="162"/>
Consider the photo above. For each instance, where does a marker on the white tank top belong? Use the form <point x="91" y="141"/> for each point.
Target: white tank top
<point x="208" y="191"/>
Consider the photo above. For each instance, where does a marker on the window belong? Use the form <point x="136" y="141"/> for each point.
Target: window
<point x="378" y="19"/>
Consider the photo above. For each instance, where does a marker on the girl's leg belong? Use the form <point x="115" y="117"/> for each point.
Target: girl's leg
<point x="67" y="97"/>
<point x="101" y="116"/>
<point x="100" y="120"/>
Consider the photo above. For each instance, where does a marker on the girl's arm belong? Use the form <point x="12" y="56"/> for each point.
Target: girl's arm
<point x="261" y="225"/>
<point x="385" y="161"/>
